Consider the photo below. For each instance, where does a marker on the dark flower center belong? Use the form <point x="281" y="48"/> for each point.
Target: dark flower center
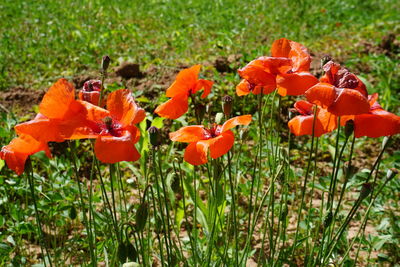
<point x="110" y="127"/>
<point x="212" y="132"/>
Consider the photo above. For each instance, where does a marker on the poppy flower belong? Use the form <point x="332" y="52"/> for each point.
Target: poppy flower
<point x="90" y="92"/>
<point x="16" y="153"/>
<point x="339" y="91"/>
<point x="302" y="124"/>
<point x="185" y="84"/>
<point x="114" y="129"/>
<point x="376" y="123"/>
<point x="218" y="139"/>
<point x="287" y="70"/>
<point x="60" y="115"/>
<point x="62" y="118"/>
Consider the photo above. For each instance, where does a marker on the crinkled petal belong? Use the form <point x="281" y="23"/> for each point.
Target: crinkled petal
<point x="240" y="120"/>
<point x="203" y="84"/>
<point x="377" y="123"/>
<point x="123" y="108"/>
<point x="243" y="88"/>
<point x="295" y="83"/>
<point x="111" y="149"/>
<point x="16" y="153"/>
<point x="188" y="134"/>
<point x="321" y="94"/>
<point x="173" y="108"/>
<point x="196" y="153"/>
<point x="56" y="102"/>
<point x="184" y="82"/>
<point x="349" y="102"/>
<point x="221" y="144"/>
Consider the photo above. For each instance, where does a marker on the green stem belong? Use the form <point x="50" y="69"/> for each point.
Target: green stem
<point x="29" y="174"/>
<point x="303" y="191"/>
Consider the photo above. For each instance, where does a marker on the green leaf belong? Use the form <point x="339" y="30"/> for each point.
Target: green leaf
<point x="158" y="122"/>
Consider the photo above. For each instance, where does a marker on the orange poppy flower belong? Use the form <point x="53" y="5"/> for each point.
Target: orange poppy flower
<point x="60" y="115"/>
<point x="302" y="124"/>
<point x="286" y="70"/>
<point x="63" y="118"/>
<point x="339" y="91"/>
<point x="16" y="153"/>
<point x="218" y="139"/>
<point x="185" y="84"/>
<point x="114" y="128"/>
<point x="90" y="92"/>
<point x="376" y="123"/>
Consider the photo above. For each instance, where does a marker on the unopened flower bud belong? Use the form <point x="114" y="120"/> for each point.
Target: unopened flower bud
<point x="365" y="190"/>
<point x="105" y="63"/>
<point x="227" y="105"/>
<point x="328" y="219"/>
<point x="349" y="128"/>
<point x="391" y="173"/>
<point x="154" y="136"/>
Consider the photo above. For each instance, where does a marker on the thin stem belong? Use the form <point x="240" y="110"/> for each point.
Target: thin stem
<point x="29" y="174"/>
<point x="303" y="191"/>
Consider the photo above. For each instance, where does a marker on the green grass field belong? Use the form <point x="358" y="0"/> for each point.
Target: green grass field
<point x="42" y="41"/>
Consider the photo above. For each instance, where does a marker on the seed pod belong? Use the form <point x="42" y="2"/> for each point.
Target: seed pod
<point x="227" y="105"/>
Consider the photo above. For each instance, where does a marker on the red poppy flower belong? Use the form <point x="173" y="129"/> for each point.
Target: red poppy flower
<point x="186" y="83"/>
<point x="302" y="124"/>
<point x="339" y="91"/>
<point x="60" y="115"/>
<point x="114" y="128"/>
<point x="90" y="92"/>
<point x="376" y="123"/>
<point x="286" y="70"/>
<point x="16" y="153"/>
<point x="218" y="139"/>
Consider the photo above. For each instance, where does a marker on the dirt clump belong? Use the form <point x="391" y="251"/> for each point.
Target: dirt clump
<point x="128" y="70"/>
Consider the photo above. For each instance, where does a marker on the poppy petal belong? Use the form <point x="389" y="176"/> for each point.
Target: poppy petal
<point x="321" y="94"/>
<point x="16" y="153"/>
<point x="56" y="102"/>
<point x="123" y="108"/>
<point x="196" y="153"/>
<point x="184" y="82"/>
<point x="377" y="123"/>
<point x="257" y="75"/>
<point x="274" y="65"/>
<point x="173" y="108"/>
<point x="240" y="120"/>
<point x="203" y="84"/>
<point x="43" y="130"/>
<point x="188" y="134"/>
<point x="243" y="88"/>
<point x="349" y="102"/>
<point x="221" y="144"/>
<point x="281" y="48"/>
<point x="295" y="83"/>
<point x="111" y="149"/>
<point x="304" y="107"/>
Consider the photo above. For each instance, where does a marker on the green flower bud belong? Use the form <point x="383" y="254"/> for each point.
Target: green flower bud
<point x="105" y="63"/>
<point x="349" y="128"/>
<point x="154" y="135"/>
<point x="365" y="190"/>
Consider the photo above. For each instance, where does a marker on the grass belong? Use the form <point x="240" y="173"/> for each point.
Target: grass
<point x="41" y="41"/>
